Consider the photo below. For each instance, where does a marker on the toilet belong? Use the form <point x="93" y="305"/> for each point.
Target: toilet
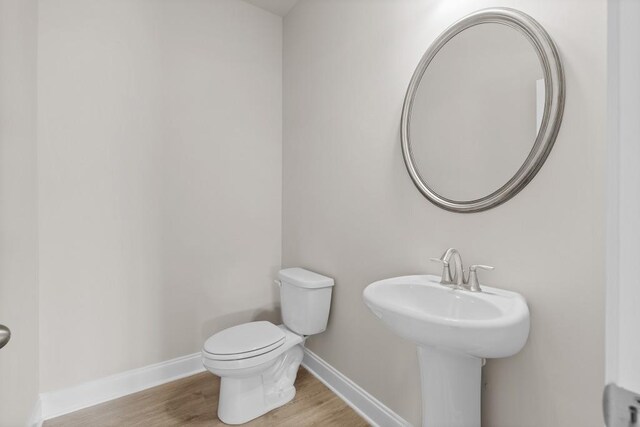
<point x="257" y="362"/>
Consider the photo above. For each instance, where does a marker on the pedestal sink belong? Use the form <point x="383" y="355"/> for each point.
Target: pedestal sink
<point x="454" y="330"/>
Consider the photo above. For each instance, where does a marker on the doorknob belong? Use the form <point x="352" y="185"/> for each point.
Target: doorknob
<point x="5" y="335"/>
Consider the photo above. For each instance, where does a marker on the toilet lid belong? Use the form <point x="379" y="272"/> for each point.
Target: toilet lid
<point x="244" y="341"/>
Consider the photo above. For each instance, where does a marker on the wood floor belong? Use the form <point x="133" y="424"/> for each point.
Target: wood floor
<point x="193" y="401"/>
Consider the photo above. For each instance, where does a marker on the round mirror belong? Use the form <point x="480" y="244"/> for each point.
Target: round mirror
<point x="482" y="110"/>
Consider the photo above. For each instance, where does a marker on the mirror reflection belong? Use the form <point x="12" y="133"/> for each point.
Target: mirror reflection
<point x="462" y="149"/>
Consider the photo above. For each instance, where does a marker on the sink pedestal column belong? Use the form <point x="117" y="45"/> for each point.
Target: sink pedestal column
<point x="450" y="388"/>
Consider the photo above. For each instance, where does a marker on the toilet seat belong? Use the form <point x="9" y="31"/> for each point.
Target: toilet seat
<point x="241" y="364"/>
<point x="244" y="341"/>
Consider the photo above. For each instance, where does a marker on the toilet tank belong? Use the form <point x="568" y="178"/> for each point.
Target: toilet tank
<point x="305" y="299"/>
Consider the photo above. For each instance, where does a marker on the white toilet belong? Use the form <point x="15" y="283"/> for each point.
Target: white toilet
<point x="258" y="361"/>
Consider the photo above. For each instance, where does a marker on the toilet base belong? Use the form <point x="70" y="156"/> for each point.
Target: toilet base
<point x="244" y="398"/>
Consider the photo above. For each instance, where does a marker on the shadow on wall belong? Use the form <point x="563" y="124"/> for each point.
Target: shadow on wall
<point x="216" y="324"/>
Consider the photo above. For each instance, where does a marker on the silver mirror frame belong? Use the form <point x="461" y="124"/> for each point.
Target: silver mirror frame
<point x="553" y="106"/>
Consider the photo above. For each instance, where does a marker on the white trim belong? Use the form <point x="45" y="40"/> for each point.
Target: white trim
<point x="60" y="402"/>
<point x="367" y="406"/>
<point x="35" y="418"/>
<point x="612" y="242"/>
<point x="623" y="199"/>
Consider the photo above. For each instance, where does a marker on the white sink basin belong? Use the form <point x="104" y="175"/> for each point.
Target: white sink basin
<point x="454" y="330"/>
<point x="492" y="323"/>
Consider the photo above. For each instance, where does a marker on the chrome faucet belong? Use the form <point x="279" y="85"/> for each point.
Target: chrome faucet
<point x="458" y="280"/>
<point x="458" y="274"/>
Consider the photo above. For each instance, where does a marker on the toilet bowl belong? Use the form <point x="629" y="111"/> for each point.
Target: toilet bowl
<point x="254" y="380"/>
<point x="257" y="362"/>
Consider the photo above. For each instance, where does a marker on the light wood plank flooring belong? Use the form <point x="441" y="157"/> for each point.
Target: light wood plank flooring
<point x="193" y="401"/>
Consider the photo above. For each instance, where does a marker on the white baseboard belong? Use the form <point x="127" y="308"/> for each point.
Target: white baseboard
<point x="367" y="406"/>
<point x="60" y="402"/>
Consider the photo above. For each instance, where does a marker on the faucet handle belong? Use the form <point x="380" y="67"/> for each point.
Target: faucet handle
<point x="445" y="279"/>
<point x="473" y="284"/>
<point x="483" y="267"/>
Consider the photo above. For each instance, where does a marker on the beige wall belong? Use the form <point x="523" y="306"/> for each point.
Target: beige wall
<point x="18" y="215"/>
<point x="160" y="178"/>
<point x="351" y="211"/>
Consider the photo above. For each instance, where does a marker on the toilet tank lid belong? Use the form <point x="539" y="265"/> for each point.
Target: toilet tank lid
<point x="304" y="278"/>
